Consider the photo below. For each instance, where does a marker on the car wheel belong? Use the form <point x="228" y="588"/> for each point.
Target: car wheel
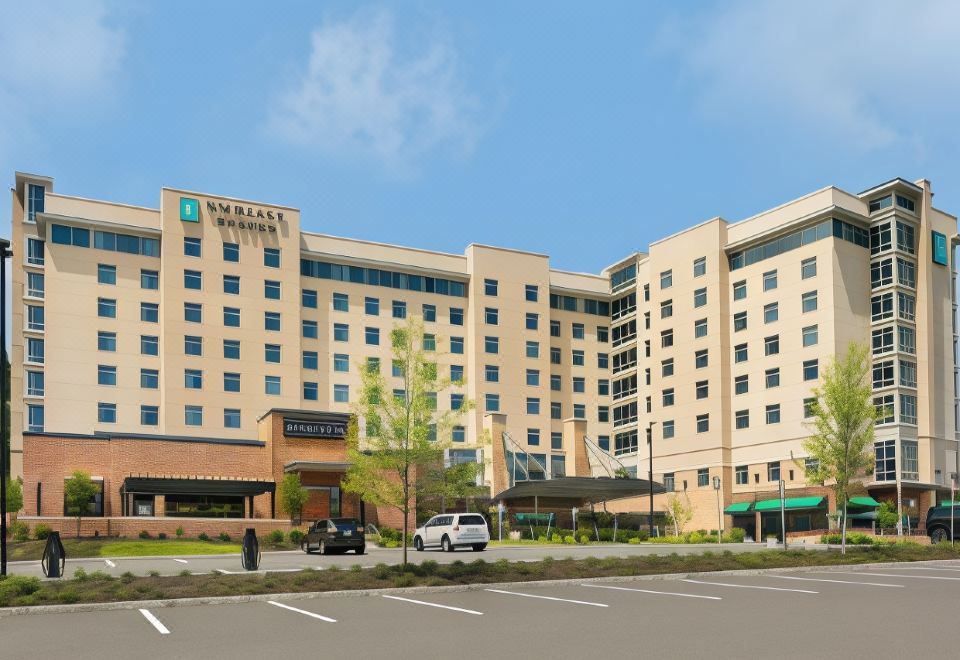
<point x="305" y="546"/>
<point x="445" y="544"/>
<point x="939" y="535"/>
<point x="323" y="547"/>
<point x="362" y="550"/>
<point x="418" y="544"/>
<point x="479" y="547"/>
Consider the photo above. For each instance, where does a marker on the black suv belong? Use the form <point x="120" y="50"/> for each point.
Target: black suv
<point x="938" y="523"/>
<point x="335" y="535"/>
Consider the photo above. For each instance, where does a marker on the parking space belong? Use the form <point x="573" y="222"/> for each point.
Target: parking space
<point x="788" y="614"/>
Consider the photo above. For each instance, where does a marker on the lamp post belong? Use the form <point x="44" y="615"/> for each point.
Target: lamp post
<point x="5" y="253"/>
<point x="650" y="471"/>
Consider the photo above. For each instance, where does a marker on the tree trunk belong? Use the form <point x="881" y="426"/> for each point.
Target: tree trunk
<point x="406" y="514"/>
<point x="78" y="526"/>
<point x="843" y="531"/>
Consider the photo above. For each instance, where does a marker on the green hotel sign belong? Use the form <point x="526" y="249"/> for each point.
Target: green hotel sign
<point x="189" y="210"/>
<point x="939" y="248"/>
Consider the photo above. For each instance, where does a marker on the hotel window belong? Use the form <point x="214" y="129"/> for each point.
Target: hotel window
<point x="907" y="339"/>
<point x="880" y="203"/>
<point x="554" y="328"/>
<point x="271" y="289"/>
<point x="341" y="362"/>
<point x="371" y="336"/>
<point x="231" y="349"/>
<point x="193" y="415"/>
<point x="646" y="294"/>
<point x="456" y="346"/>
<point x="773" y="471"/>
<point x="231" y="382"/>
<point x="906" y="240"/>
<point x="556" y="411"/>
<point x="740" y="290"/>
<point x="271" y="321"/>
<point x="107" y="308"/>
<point x="906" y="203"/>
<point x="106" y="274"/>
<point x="555" y="383"/>
<point x="700" y="328"/>
<point x="742" y="419"/>
<point x="341" y="302"/>
<point x="771" y="345"/>
<point x="908" y="410"/>
<point x="107" y="341"/>
<point x="881" y="273"/>
<point x="808" y="268"/>
<point x="193" y="379"/>
<point x="341" y="393"/>
<point x="906" y="306"/>
<point x="811" y="369"/>
<point x="310" y="329"/>
<point x="310" y="391"/>
<point x="192" y="345"/>
<point x="740" y="353"/>
<point x="603" y="361"/>
<point x="271" y="353"/>
<point x="666" y="309"/>
<point x="308" y="298"/>
<point x="35" y="319"/>
<point x="373" y="366"/>
<point x="666" y="338"/>
<point x="881" y="307"/>
<point x="666" y="368"/>
<point x="741" y="384"/>
<point x="309" y="360"/>
<point x="491" y="316"/>
<point x="231" y="252"/>
<point x="908" y="373"/>
<point x="533" y="377"/>
<point x="885" y="456"/>
<point x="490" y="287"/>
<point x="456" y="316"/>
<point x="884" y="407"/>
<point x="399" y="309"/>
<point x="491" y="373"/>
<point x="192" y="279"/>
<point x="231" y="418"/>
<point x="149" y="415"/>
<point x="492" y="402"/>
<point x="533" y="405"/>
<point x="811" y="335"/>
<point x="882" y="340"/>
<point x="371" y="306"/>
<point x="668" y="397"/>
<point x="106" y="375"/>
<point x="556" y="441"/>
<point x="193" y="312"/>
<point x="429" y="313"/>
<point x="579" y="384"/>
<point x="271" y="257"/>
<point x="771" y="377"/>
<point x="531" y="292"/>
<point x="429" y="342"/>
<point x="458" y="434"/>
<point x="770" y="280"/>
<point x="742" y="478"/>
<point x="456" y="401"/>
<point x="668" y="429"/>
<point x="809" y="407"/>
<point x="533" y="437"/>
<point x="35" y="418"/>
<point x="192" y="247"/>
<point x="603" y="334"/>
<point x="701" y="359"/>
<point x="149" y="312"/>
<point x="149" y="279"/>
<point x="703" y="477"/>
<point x="577" y="331"/>
<point x="603" y="414"/>
<point x="771" y="313"/>
<point x="603" y="387"/>
<point x="700" y="267"/>
<point x="906" y="273"/>
<point x="34" y="252"/>
<point x="910" y="470"/>
<point x="64" y="235"/>
<point x="579" y="411"/>
<point x="271" y="385"/>
<point x="703" y="389"/>
<point x="883" y="374"/>
<point x="491" y="345"/>
<point x="149" y="345"/>
<point x="809" y="302"/>
<point x="880" y="237"/>
<point x="602" y="440"/>
<point x="578" y="359"/>
<point x="700" y="297"/>
<point x="666" y="279"/>
<point x="107" y="413"/>
<point x="739" y="321"/>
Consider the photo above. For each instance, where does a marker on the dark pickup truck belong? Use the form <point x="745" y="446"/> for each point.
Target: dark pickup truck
<point x="938" y="523"/>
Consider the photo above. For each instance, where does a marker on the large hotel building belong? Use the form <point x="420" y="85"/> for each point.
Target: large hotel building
<point x="187" y="356"/>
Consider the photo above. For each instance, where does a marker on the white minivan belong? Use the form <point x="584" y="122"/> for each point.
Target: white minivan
<point x="449" y="531"/>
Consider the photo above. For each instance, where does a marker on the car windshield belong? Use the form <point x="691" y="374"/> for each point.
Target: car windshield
<point x="346" y="524"/>
<point x="472" y="520"/>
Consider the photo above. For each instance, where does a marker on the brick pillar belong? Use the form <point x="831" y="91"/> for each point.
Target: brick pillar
<point x="159" y="505"/>
<point x="578" y="464"/>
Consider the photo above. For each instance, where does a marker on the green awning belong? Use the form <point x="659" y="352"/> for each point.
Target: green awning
<point x="790" y="503"/>
<point x="864" y="501"/>
<point x="947" y="503"/>
<point x="738" y="507"/>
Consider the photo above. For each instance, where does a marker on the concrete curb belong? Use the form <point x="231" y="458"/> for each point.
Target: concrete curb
<point x="458" y="588"/>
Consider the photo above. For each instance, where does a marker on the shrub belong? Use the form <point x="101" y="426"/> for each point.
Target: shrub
<point x="226" y="537"/>
<point x="356" y="568"/>
<point x="14" y="586"/>
<point x="853" y="538"/>
<point x="185" y="573"/>
<point x="556" y="538"/>
<point x="404" y="580"/>
<point x="429" y="567"/>
<point x="381" y="571"/>
<point x="296" y="536"/>
<point x="41" y="532"/>
<point x="144" y="534"/>
<point x="80" y="575"/>
<point x="584" y="539"/>
<point x="203" y="536"/>
<point x="736" y="535"/>
<point x="162" y="536"/>
<point x="127" y="577"/>
<point x="334" y="568"/>
<point x="100" y="575"/>
<point x="154" y="573"/>
<point x="179" y="532"/>
<point x="20" y="531"/>
<point x="634" y="540"/>
<point x="569" y="540"/>
<point x="541" y="539"/>
<point x="276" y="536"/>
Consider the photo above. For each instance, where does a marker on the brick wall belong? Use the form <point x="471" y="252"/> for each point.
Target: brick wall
<point x="131" y="527"/>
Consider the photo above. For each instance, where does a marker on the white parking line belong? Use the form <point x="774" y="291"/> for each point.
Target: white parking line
<point x="299" y="611"/>
<point x="920" y="568"/>
<point x="262" y="570"/>
<point x="750" y="586"/>
<point x="155" y="621"/>
<point x="563" y="600"/>
<point x="869" y="584"/>
<point x="650" y="591"/>
<point x="423" y="602"/>
<point x="902" y="577"/>
<point x="181" y="561"/>
<point x="109" y="563"/>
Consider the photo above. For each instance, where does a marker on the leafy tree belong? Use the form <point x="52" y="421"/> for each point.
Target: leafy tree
<point x="404" y="433"/>
<point x="439" y="484"/>
<point x="887" y="515"/>
<point x="78" y="490"/>
<point x="679" y="513"/>
<point x="843" y="421"/>
<point x="293" y="496"/>
<point x="14" y="496"/>
<point x="621" y="473"/>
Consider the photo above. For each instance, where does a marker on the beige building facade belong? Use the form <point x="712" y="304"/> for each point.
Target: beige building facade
<point x="194" y="319"/>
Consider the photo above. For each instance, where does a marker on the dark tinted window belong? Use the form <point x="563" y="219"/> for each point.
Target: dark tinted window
<point x="472" y="520"/>
<point x="344" y="524"/>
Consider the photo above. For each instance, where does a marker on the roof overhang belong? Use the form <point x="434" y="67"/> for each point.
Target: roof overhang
<point x="584" y="489"/>
<point x="198" y="486"/>
<point x="316" y="466"/>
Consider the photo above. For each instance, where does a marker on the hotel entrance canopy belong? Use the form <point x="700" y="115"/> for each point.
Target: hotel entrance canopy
<point x="577" y="490"/>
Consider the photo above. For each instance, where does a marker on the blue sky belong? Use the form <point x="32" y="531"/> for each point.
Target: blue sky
<point x="580" y="130"/>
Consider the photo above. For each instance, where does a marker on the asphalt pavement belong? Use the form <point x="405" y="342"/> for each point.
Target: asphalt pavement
<point x="825" y="613"/>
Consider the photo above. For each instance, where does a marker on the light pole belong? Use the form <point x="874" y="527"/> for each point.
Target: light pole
<point x="650" y="472"/>
<point x="5" y="253"/>
<point x="716" y="487"/>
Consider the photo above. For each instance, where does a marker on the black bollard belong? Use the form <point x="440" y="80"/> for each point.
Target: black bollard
<point x="250" y="550"/>
<point x="54" y="556"/>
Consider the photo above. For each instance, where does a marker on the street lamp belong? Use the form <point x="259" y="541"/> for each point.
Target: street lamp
<point x="5" y="253"/>
<point x="650" y="472"/>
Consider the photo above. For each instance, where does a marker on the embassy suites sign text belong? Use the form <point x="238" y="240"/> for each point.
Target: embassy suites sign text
<point x="244" y="217"/>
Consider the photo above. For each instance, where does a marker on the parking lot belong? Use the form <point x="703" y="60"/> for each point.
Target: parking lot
<point x="855" y="611"/>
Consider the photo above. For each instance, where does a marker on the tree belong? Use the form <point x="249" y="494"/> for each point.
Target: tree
<point x="404" y="433"/>
<point x="841" y="443"/>
<point x="679" y="512"/>
<point x="621" y="473"/>
<point x="887" y="515"/>
<point x="14" y="496"/>
<point x="78" y="490"/>
<point x="439" y="483"/>
<point x="293" y="496"/>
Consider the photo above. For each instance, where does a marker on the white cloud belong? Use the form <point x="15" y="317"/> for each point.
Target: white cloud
<point x="362" y="95"/>
<point x="859" y="71"/>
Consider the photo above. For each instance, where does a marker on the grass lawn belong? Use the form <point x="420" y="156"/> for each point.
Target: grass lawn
<point x="99" y="587"/>
<point x="112" y="547"/>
